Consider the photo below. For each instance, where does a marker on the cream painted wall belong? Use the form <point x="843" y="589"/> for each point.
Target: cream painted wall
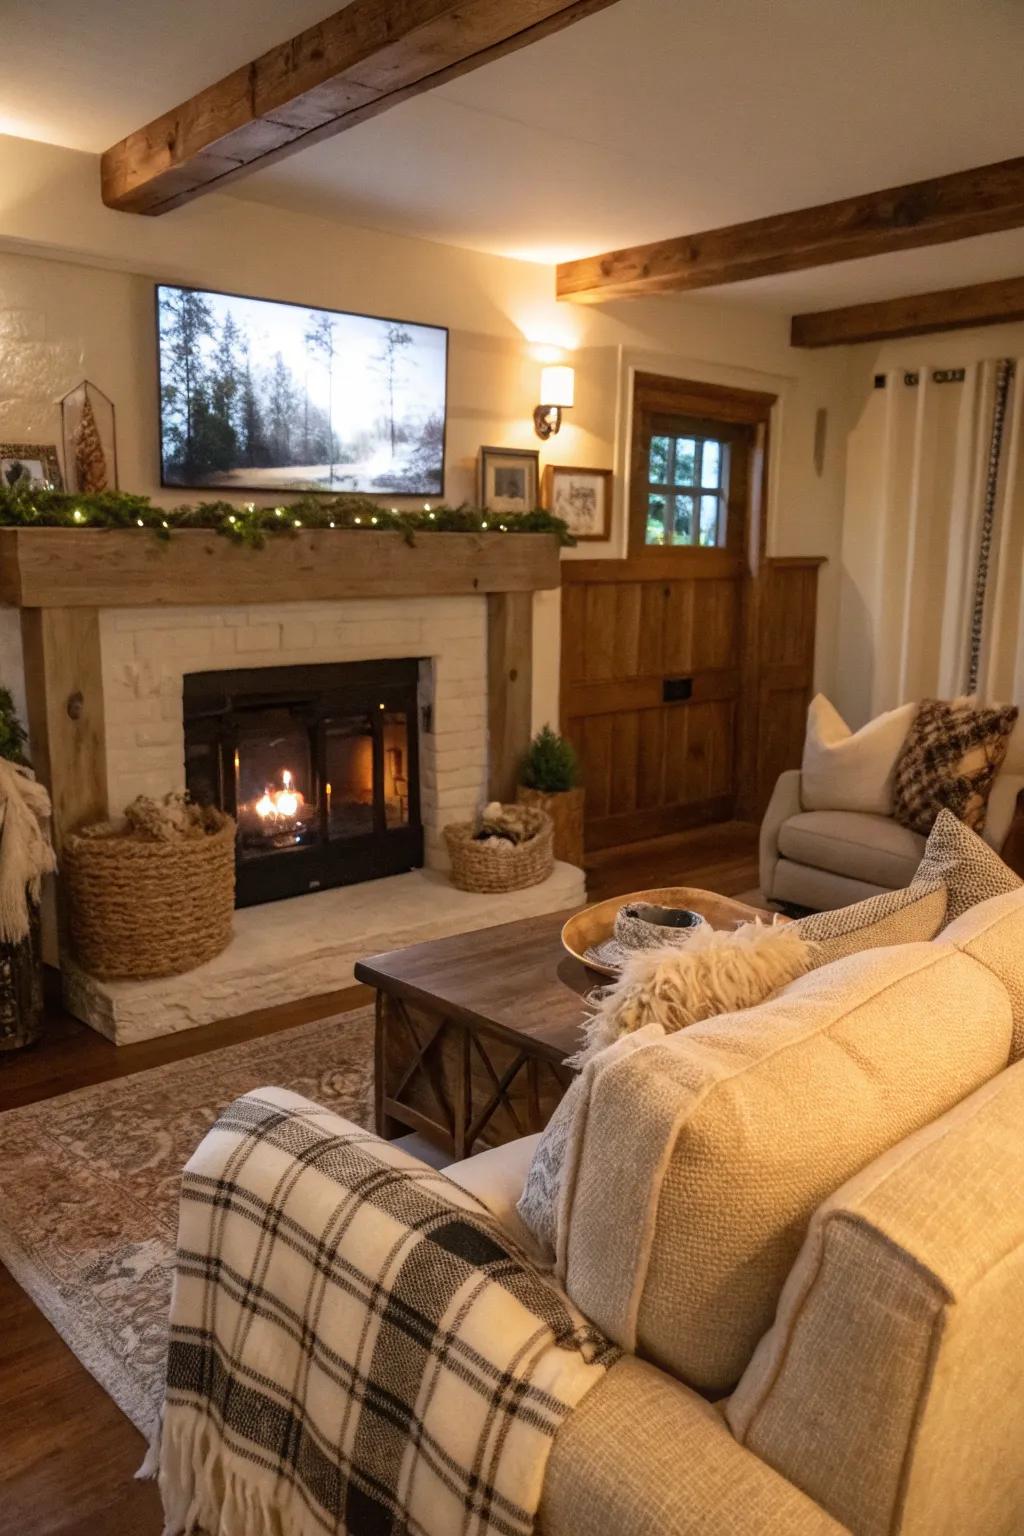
<point x="873" y="572"/>
<point x="76" y="298"/>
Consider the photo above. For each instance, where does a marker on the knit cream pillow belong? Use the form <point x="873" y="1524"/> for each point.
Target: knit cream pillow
<point x="659" y="992"/>
<point x="696" y="1162"/>
<point x="846" y="770"/>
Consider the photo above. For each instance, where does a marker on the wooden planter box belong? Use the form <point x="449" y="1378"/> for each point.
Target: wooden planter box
<point x="566" y="811"/>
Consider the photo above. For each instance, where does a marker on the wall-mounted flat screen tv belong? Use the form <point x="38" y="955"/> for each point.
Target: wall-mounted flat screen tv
<point x="261" y="396"/>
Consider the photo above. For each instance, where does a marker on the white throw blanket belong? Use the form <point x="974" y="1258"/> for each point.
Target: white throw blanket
<point x="355" y="1344"/>
<point x="25" y="851"/>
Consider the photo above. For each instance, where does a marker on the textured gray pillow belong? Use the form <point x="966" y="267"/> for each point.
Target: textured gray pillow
<point x="970" y="870"/>
<point x="908" y="916"/>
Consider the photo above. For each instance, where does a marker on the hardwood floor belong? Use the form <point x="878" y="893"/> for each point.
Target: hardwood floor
<point x="67" y="1455"/>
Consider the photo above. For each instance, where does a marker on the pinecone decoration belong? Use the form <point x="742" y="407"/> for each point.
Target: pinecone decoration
<point x="90" y="461"/>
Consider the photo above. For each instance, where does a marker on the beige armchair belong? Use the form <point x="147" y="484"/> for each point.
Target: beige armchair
<point x="825" y="859"/>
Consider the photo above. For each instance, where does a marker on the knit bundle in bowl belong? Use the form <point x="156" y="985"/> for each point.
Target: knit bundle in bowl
<point x="154" y="897"/>
<point x="508" y="848"/>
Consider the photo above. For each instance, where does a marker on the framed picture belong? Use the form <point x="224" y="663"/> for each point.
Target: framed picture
<point x="508" y="479"/>
<point x="582" y="498"/>
<point x="90" y="443"/>
<point x="30" y="463"/>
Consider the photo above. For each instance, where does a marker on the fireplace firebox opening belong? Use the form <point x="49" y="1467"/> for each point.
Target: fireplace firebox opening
<point x="319" y="765"/>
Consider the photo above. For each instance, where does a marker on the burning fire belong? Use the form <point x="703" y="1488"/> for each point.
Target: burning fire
<point x="280" y="803"/>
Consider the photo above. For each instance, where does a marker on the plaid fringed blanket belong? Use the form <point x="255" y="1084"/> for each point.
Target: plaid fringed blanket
<point x="355" y="1345"/>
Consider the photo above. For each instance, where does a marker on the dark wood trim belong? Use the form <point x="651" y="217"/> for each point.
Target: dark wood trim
<point x="350" y="67"/>
<point x="128" y="568"/>
<point x="920" y="314"/>
<point x="660" y="821"/>
<point x="742" y="412"/>
<point x="509" y="688"/>
<point x="687" y="564"/>
<point x="943" y="208"/>
<point x="646" y="693"/>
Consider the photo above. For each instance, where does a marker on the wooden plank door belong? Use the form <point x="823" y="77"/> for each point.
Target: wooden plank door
<point x="632" y="636"/>
<point x="687" y="666"/>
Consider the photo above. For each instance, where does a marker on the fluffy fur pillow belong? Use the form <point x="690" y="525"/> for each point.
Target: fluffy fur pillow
<point x="717" y="971"/>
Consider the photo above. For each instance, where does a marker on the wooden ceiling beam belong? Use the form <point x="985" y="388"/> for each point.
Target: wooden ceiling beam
<point x="955" y="207"/>
<point x="950" y="309"/>
<point x="357" y="63"/>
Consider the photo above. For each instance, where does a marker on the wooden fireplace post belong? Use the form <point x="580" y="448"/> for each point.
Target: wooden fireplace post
<point x="64" y="687"/>
<point x="509" y="688"/>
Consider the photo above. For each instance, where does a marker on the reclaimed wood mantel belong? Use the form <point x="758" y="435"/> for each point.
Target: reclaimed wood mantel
<point x="129" y="568"/>
<point x="61" y="578"/>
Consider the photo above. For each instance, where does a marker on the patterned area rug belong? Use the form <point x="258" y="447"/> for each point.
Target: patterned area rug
<point x="89" y="1188"/>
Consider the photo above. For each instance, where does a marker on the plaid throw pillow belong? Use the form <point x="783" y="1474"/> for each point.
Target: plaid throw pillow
<point x="952" y="754"/>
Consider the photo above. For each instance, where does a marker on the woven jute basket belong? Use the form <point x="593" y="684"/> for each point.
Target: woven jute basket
<point x="501" y="866"/>
<point x="141" y="907"/>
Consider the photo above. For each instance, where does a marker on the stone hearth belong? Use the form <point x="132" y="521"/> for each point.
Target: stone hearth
<point x="285" y="950"/>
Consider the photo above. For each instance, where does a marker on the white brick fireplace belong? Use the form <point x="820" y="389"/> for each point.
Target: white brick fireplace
<point x="146" y="653"/>
<point x="111" y="623"/>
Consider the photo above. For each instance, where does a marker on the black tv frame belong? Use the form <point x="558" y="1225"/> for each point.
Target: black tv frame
<point x="358" y="314"/>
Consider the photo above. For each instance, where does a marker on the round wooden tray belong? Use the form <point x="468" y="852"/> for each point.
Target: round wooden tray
<point x="596" y="924"/>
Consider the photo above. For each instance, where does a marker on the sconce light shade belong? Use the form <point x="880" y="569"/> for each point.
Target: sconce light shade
<point x="558" y="386"/>
<point x="557" y="394"/>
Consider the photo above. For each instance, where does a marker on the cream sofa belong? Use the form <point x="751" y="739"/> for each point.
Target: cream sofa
<point x="825" y="859"/>
<point x="887" y="1395"/>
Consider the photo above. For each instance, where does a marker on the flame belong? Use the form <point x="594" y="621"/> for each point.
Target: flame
<point x="286" y="802"/>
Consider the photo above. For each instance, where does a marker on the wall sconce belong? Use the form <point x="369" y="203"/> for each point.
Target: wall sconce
<point x="557" y="394"/>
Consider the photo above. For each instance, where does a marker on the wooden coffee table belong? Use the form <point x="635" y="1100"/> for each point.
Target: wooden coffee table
<point x="473" y="1031"/>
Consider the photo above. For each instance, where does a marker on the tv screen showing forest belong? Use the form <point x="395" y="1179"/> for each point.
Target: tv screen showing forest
<point x="261" y="396"/>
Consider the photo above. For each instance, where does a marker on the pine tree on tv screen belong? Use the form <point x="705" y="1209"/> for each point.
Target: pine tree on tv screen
<point x="262" y="396"/>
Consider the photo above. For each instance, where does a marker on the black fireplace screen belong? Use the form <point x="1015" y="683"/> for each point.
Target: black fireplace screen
<point x="319" y="766"/>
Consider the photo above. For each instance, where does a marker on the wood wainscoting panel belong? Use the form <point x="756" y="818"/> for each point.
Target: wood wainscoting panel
<point x="779" y="675"/>
<point x="739" y="648"/>
<point x="629" y="628"/>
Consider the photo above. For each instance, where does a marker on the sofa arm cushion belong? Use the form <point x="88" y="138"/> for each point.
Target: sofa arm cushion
<point x="785" y="802"/>
<point x="496" y="1177"/>
<point x="642" y="1453"/>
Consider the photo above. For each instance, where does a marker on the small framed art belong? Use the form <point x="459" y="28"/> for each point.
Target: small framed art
<point x="508" y="479"/>
<point x="580" y="497"/>
<point x="30" y="464"/>
<point x="90" y="442"/>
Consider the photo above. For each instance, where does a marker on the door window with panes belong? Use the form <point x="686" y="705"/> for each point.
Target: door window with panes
<point x="687" y="487"/>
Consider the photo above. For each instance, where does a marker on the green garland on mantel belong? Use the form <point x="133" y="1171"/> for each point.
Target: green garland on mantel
<point x="34" y="506"/>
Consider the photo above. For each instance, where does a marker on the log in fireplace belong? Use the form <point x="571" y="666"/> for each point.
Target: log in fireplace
<point x="319" y="765"/>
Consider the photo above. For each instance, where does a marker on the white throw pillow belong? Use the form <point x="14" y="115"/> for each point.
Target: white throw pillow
<point x="846" y="770"/>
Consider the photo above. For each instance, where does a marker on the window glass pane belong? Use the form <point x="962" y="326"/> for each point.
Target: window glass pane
<point x="658" y="469"/>
<point x="655" y="533"/>
<point x="711" y="468"/>
<point x="682" y="519"/>
<point x="686" y="460"/>
<point x="709" y="520"/>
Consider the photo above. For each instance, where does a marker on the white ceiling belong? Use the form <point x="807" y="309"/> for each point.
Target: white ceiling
<point x="651" y="119"/>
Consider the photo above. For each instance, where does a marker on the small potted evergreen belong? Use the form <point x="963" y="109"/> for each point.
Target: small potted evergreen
<point x="550" y="778"/>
